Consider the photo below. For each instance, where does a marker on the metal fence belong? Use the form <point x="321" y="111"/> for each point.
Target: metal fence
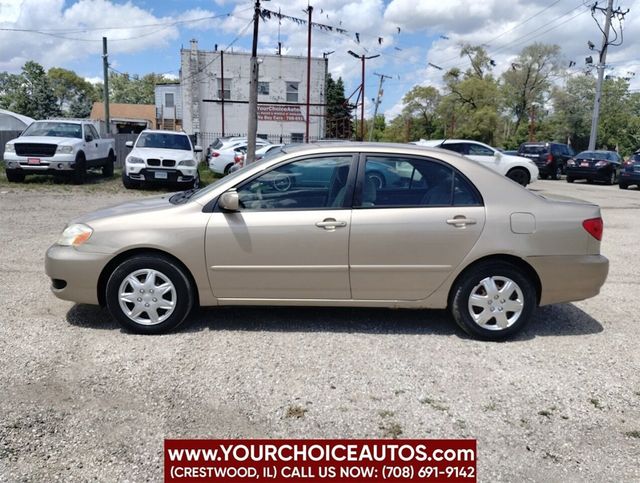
<point x="4" y="137"/>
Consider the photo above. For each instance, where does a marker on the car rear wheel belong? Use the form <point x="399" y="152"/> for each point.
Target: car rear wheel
<point x="493" y="301"/>
<point x="570" y="179"/>
<point x="612" y="178"/>
<point x="519" y="175"/>
<point x="15" y="176"/>
<point x="149" y="294"/>
<point x="623" y="186"/>
<point x="557" y="173"/>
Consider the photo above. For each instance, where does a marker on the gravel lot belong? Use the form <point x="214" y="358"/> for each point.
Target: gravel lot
<point x="82" y="400"/>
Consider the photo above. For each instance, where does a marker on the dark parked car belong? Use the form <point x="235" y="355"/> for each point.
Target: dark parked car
<point x="551" y="158"/>
<point x="595" y="166"/>
<point x="630" y="172"/>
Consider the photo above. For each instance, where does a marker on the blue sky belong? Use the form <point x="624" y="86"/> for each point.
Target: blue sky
<point x="429" y="31"/>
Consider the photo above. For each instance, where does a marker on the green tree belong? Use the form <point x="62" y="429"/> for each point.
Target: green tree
<point x="529" y="80"/>
<point x="421" y="104"/>
<point x="75" y="96"/>
<point x="33" y="95"/>
<point x="339" y="124"/>
<point x="133" y="89"/>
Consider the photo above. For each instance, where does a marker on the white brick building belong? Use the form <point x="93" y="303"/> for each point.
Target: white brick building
<point x="281" y="94"/>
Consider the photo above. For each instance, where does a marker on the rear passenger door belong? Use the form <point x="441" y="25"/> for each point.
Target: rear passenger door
<point x="410" y="234"/>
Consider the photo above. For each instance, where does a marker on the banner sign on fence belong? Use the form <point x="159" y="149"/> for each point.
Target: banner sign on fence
<point x="319" y="460"/>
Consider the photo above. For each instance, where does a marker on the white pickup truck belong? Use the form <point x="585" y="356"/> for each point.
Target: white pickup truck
<point x="59" y="147"/>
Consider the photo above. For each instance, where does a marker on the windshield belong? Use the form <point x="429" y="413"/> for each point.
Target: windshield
<point x="54" y="129"/>
<point x="592" y="155"/>
<point x="232" y="175"/>
<point x="533" y="149"/>
<point x="163" y="141"/>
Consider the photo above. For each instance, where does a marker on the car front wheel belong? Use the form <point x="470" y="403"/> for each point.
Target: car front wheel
<point x="149" y="294"/>
<point x="493" y="301"/>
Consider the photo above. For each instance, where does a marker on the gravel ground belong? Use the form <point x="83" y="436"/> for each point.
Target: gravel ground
<point x="82" y="400"/>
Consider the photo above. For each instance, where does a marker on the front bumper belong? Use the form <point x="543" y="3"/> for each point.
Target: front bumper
<point x="74" y="273"/>
<point x="173" y="175"/>
<point x="568" y="278"/>
<point x="49" y="164"/>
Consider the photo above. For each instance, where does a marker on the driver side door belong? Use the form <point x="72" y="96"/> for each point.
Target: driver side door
<point x="290" y="238"/>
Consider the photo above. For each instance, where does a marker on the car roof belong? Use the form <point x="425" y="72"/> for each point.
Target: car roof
<point x="351" y="146"/>
<point x="164" y="131"/>
<point x="437" y="142"/>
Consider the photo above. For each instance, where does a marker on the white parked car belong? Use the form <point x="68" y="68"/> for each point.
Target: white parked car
<point x="161" y="156"/>
<point x="222" y="160"/>
<point x="519" y="169"/>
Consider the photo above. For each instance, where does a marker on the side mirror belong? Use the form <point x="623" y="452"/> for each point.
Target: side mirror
<point x="88" y="138"/>
<point x="197" y="149"/>
<point x="499" y="155"/>
<point x="229" y="201"/>
<point x="129" y="144"/>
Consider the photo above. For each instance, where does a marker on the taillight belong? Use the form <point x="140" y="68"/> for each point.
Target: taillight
<point x="628" y="164"/>
<point x="549" y="158"/>
<point x="238" y="158"/>
<point x="601" y="164"/>
<point x="571" y="162"/>
<point x="215" y="154"/>
<point x="595" y="227"/>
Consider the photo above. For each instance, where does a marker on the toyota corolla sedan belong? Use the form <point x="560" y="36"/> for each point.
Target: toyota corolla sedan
<point x="453" y="234"/>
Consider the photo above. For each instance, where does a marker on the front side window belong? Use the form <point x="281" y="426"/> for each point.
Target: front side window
<point x="292" y="91"/>
<point x="226" y="92"/>
<point x="313" y="183"/>
<point x="460" y="148"/>
<point x="479" y="150"/>
<point x="411" y="182"/>
<point x="92" y="131"/>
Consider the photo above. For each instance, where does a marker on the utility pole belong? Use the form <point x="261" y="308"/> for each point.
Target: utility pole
<point x="362" y="59"/>
<point x="105" y="68"/>
<point x="532" y="123"/>
<point x="222" y="88"/>
<point x="309" y="11"/>
<point x="252" y="128"/>
<point x="609" y="12"/>
<point x="378" y="97"/>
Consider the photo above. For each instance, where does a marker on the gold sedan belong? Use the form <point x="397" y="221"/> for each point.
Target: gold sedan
<point x="341" y="224"/>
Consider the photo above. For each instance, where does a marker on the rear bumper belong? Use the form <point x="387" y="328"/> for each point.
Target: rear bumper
<point x="570" y="278"/>
<point x="601" y="174"/>
<point x="629" y="177"/>
<point x="74" y="274"/>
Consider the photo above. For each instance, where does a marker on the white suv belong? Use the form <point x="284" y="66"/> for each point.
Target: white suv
<point x="161" y="156"/>
<point x="521" y="170"/>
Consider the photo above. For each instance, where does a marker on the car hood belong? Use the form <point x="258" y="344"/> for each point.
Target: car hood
<point x="146" y="153"/>
<point x="46" y="140"/>
<point x="143" y="205"/>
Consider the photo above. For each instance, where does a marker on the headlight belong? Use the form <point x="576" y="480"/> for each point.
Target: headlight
<point x="9" y="148"/>
<point x="75" y="235"/>
<point x="187" y="162"/>
<point x="65" y="149"/>
<point x="134" y="160"/>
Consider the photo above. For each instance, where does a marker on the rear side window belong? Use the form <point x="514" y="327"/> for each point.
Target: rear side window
<point x="460" y="148"/>
<point x="532" y="149"/>
<point x="409" y="182"/>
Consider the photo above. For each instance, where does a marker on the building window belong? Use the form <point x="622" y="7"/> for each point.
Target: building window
<point x="292" y="91"/>
<point x="297" y="137"/>
<point x="227" y="88"/>
<point x="168" y="99"/>
<point x="263" y="88"/>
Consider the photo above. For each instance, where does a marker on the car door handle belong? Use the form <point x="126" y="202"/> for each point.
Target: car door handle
<point x="461" y="221"/>
<point x="331" y="224"/>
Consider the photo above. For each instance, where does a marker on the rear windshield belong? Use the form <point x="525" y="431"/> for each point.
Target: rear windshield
<point x="592" y="155"/>
<point x="163" y="141"/>
<point x="635" y="157"/>
<point x="533" y="149"/>
<point x="54" y="129"/>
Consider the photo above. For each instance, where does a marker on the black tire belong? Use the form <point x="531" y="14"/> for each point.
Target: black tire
<point x="15" y="176"/>
<point x="227" y="168"/>
<point x="80" y="170"/>
<point x="166" y="271"/>
<point x="570" y="179"/>
<point x="520" y="176"/>
<point x="107" y="168"/>
<point x="544" y="176"/>
<point x="613" y="179"/>
<point x="589" y="180"/>
<point x="557" y="173"/>
<point x="623" y="186"/>
<point x="469" y="282"/>
<point x="129" y="183"/>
